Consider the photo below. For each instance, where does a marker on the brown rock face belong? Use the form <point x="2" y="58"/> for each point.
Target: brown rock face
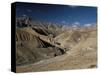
<point x="31" y="48"/>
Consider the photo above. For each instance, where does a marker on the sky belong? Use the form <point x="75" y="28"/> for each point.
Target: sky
<point x="60" y="14"/>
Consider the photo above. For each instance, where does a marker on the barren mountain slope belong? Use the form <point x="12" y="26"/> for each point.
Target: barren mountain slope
<point x="82" y="53"/>
<point x="32" y="47"/>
